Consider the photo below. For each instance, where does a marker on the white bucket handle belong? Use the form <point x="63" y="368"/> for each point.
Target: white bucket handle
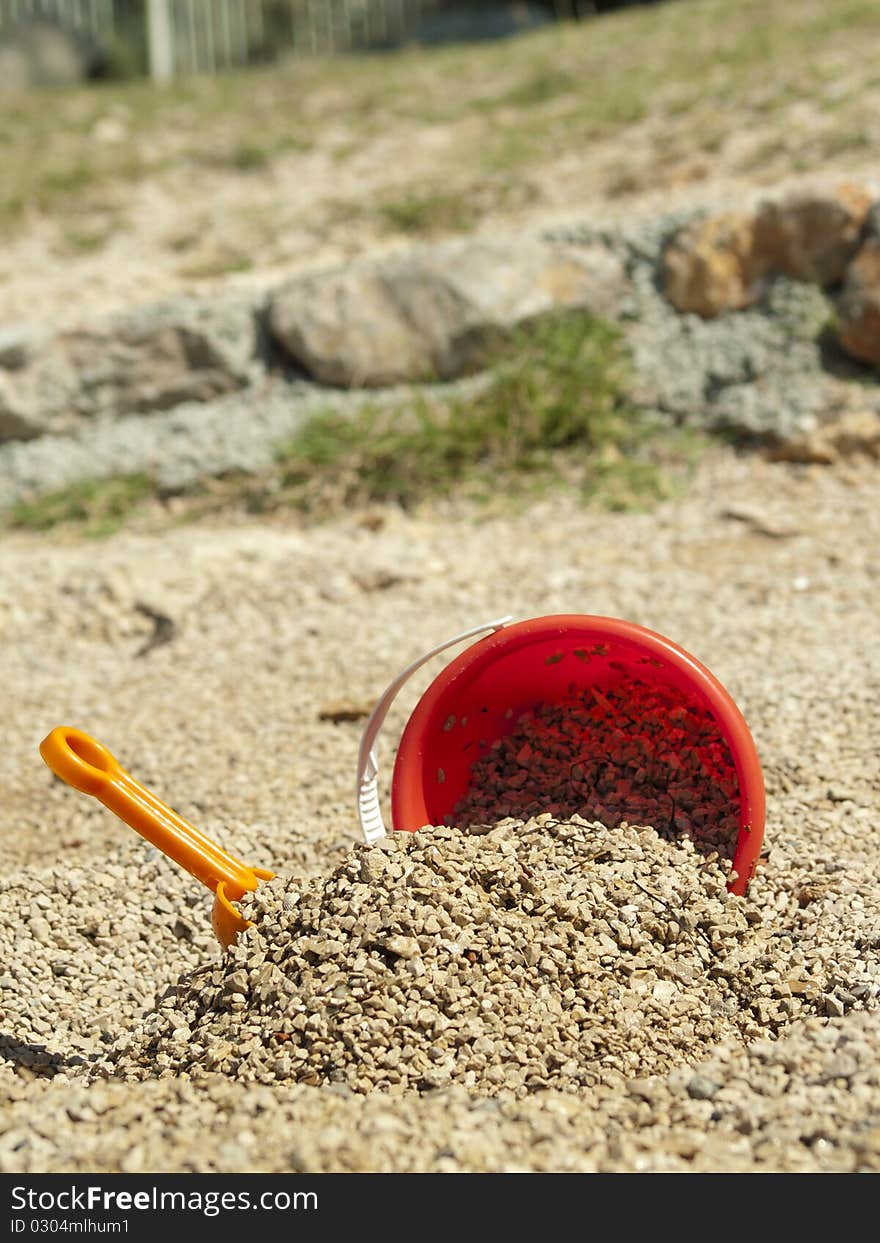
<point x="369" y="810"/>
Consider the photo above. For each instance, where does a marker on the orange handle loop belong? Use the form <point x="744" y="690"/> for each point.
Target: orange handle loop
<point x="87" y="765"/>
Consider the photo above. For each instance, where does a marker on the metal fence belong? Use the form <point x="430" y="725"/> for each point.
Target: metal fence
<point x="204" y="36"/>
<point x="92" y="16"/>
<point x="207" y="37"/>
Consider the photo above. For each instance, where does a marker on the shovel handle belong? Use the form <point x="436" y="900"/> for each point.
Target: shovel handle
<point x="87" y="765"/>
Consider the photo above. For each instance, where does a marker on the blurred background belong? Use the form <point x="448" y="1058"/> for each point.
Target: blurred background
<point x="176" y="162"/>
<point x="56" y="41"/>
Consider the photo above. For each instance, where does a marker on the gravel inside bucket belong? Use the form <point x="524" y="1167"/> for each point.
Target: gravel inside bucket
<point x="627" y="752"/>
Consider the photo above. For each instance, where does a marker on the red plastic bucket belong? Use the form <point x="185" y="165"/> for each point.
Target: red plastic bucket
<point x="478" y="697"/>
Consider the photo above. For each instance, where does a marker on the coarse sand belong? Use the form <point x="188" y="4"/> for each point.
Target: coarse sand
<point x="656" y="1023"/>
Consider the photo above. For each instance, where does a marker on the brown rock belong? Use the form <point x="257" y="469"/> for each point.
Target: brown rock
<point x="709" y="267"/>
<point x="723" y="263"/>
<point x="811" y="235"/>
<point x="859" y="306"/>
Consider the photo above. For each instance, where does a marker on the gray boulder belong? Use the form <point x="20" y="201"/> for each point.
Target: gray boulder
<point x="41" y="52"/>
<point x="432" y="312"/>
<point x="147" y="360"/>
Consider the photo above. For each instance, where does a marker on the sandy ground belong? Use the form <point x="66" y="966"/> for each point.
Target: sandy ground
<point x="768" y="573"/>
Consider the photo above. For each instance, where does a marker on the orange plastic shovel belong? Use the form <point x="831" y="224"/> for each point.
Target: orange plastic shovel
<point x="87" y="765"/>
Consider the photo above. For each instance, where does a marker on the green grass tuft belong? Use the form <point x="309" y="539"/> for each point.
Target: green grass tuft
<point x="555" y="409"/>
<point x="426" y="214"/>
<point x="96" y="508"/>
<point x="541" y="85"/>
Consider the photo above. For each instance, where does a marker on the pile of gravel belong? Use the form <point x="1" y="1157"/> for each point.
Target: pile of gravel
<point x="630" y="752"/>
<point x="524" y="957"/>
<point x="85" y="950"/>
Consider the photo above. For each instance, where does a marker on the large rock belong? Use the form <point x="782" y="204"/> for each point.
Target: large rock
<point x="859" y="306"/>
<point x="725" y="262"/>
<point x="811" y="235"/>
<point x="150" y="359"/>
<point x="16" y="422"/>
<point x="41" y="52"/>
<point x="432" y="312"/>
<point x="709" y="266"/>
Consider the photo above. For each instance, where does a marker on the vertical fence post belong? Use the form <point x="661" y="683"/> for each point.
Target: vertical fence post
<point x="160" y="40"/>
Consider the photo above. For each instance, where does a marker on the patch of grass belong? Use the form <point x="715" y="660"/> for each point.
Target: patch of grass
<point x="712" y="140"/>
<point x="655" y="472"/>
<point x="764" y="152"/>
<point x="86" y="241"/>
<point x="70" y="178"/>
<point x="425" y="214"/>
<point x="511" y="148"/>
<point x="250" y="154"/>
<point x="180" y="243"/>
<point x="629" y="181"/>
<point x="222" y="263"/>
<point x="839" y="142"/>
<point x="95" y="509"/>
<point x="249" y="157"/>
<point x="556" y="408"/>
<point x="87" y="233"/>
<point x="542" y="85"/>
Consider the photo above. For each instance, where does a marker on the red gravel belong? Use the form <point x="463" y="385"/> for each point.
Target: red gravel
<point x="630" y="752"/>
